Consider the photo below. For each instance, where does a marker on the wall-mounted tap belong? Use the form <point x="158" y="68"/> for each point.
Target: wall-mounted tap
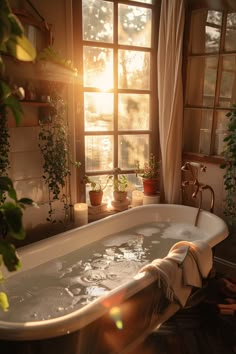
<point x="193" y="168"/>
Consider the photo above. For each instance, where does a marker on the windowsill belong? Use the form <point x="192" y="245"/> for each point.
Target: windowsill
<point x="217" y="160"/>
<point x="102" y="215"/>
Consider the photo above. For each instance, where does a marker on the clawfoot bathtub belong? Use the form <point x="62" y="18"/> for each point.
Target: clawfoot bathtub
<point x="80" y="291"/>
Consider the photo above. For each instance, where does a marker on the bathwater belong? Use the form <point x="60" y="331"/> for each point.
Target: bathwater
<point x="68" y="283"/>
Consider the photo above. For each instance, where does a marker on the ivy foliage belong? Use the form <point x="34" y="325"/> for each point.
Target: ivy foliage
<point x="229" y="165"/>
<point x="57" y="161"/>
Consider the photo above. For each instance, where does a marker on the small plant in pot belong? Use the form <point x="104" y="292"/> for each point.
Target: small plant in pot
<point x="96" y="192"/>
<point x="149" y="174"/>
<point x="120" y="185"/>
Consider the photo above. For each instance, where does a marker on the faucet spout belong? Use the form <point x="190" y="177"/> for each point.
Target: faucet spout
<point x="193" y="168"/>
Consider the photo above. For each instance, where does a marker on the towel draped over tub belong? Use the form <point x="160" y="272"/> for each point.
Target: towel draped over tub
<point x="185" y="266"/>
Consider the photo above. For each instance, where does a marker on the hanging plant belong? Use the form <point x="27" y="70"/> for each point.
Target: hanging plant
<point x="4" y="142"/>
<point x="54" y="146"/>
<point x="229" y="165"/>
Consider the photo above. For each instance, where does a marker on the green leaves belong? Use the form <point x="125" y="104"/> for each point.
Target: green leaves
<point x="9" y="256"/>
<point x="21" y="48"/>
<point x="4" y="304"/>
<point x="11" y="211"/>
<point x="12" y="38"/>
<point x="51" y="55"/>
<point x="229" y="165"/>
<point x="54" y="146"/>
<point x="13" y="42"/>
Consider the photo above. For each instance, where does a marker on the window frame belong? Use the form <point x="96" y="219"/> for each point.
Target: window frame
<point x="193" y="6"/>
<point x="79" y="90"/>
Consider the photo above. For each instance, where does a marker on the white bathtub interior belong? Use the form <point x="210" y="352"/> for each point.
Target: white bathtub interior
<point x="131" y="237"/>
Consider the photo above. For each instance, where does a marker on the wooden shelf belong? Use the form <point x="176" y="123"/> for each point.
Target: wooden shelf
<point x="35" y="103"/>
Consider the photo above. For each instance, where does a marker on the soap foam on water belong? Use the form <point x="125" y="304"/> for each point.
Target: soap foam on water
<point x="70" y="282"/>
<point x="183" y="231"/>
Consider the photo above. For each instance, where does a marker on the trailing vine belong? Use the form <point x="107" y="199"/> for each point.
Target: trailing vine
<point x="54" y="146"/>
<point x="4" y="142"/>
<point x="230" y="167"/>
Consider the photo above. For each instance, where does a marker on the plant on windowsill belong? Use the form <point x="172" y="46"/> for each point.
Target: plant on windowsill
<point x="229" y="166"/>
<point x="149" y="174"/>
<point x="57" y="160"/>
<point x="120" y="185"/>
<point x="14" y="43"/>
<point x="96" y="191"/>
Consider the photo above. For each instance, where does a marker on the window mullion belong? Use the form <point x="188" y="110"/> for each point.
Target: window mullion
<point x="218" y="81"/>
<point x="115" y="84"/>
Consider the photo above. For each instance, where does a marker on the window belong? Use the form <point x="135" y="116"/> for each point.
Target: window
<point x="116" y="48"/>
<point x="211" y="80"/>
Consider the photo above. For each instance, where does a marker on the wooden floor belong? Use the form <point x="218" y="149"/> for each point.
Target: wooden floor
<point x="201" y="329"/>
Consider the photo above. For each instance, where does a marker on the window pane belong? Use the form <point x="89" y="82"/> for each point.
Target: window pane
<point x="132" y="148"/>
<point x="214" y="17"/>
<point x="98" y="67"/>
<point x="99" y="153"/>
<point x="134" y="25"/>
<point x="230" y="39"/>
<point x="202" y="81"/>
<point x="197" y="130"/>
<point x="97" y="20"/>
<point x="133" y="112"/>
<point x="206" y="31"/>
<point x="98" y="111"/>
<point x="228" y="82"/>
<point x="220" y="132"/>
<point x="134" y="69"/>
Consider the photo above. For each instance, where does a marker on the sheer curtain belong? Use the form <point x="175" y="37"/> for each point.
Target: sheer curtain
<point x="170" y="91"/>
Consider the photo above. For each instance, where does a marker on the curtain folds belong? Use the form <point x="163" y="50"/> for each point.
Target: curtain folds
<point x="170" y="96"/>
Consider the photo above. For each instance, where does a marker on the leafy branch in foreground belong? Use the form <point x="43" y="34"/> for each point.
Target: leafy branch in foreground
<point x="11" y="226"/>
<point x="13" y="42"/>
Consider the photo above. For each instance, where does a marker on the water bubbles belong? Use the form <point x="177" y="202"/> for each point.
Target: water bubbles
<point x="183" y="231"/>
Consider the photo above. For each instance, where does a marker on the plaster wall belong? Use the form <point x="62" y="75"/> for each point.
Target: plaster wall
<point x="25" y="158"/>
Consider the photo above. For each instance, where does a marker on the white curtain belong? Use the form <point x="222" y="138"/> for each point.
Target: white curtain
<point x="170" y="91"/>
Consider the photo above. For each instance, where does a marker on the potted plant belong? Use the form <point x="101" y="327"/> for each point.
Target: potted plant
<point x="96" y="192"/>
<point x="149" y="174"/>
<point x="229" y="165"/>
<point x="120" y="185"/>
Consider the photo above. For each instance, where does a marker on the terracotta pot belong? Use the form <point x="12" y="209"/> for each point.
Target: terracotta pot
<point x="150" y="186"/>
<point x="119" y="196"/>
<point x="95" y="197"/>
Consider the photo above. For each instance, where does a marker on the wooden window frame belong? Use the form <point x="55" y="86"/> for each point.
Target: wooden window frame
<point x="80" y="132"/>
<point x="225" y="8"/>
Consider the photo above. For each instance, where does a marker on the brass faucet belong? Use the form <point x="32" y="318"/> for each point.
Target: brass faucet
<point x="193" y="168"/>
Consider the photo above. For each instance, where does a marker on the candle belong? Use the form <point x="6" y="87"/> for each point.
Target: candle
<point x="137" y="198"/>
<point x="109" y="205"/>
<point x="151" y="199"/>
<point x="81" y="214"/>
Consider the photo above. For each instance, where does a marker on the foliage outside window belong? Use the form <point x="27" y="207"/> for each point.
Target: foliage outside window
<point x="118" y="56"/>
<point x="211" y="81"/>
